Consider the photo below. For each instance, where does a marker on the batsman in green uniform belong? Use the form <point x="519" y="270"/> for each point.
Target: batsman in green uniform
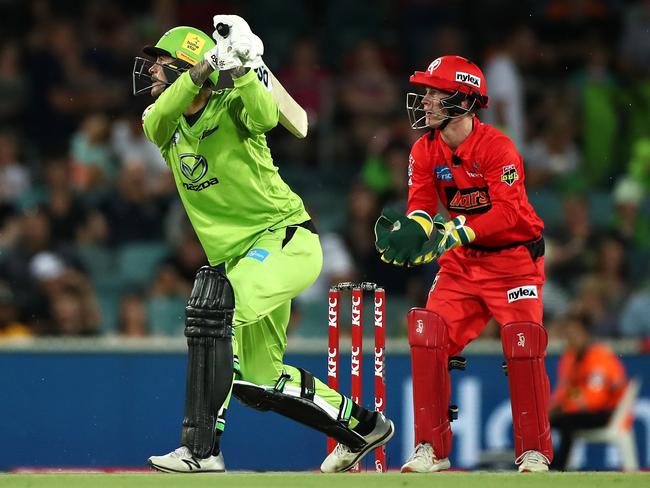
<point x="262" y="248"/>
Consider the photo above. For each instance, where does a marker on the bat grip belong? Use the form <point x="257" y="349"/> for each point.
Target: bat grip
<point x="223" y="29"/>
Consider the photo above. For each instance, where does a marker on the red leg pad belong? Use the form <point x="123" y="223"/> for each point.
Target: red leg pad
<point x="429" y="340"/>
<point x="524" y="347"/>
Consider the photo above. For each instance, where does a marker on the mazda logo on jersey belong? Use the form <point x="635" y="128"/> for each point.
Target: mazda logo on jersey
<point x="193" y="166"/>
<point x="468" y="200"/>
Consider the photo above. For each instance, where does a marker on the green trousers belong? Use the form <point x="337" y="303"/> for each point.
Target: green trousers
<point x="277" y="268"/>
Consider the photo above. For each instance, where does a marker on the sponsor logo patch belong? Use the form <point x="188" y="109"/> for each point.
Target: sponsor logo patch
<point x="410" y="169"/>
<point x="468" y="78"/>
<point x="443" y="173"/>
<point x="259" y="254"/>
<point x="193" y="166"/>
<point x="434" y="65"/>
<point x="468" y="200"/>
<point x="509" y="175"/>
<point x="522" y="293"/>
<point x="193" y="43"/>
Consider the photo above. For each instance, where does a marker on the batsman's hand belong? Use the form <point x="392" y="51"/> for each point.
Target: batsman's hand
<point x="448" y="235"/>
<point x="240" y="39"/>
<point x="222" y="57"/>
<point x="398" y="238"/>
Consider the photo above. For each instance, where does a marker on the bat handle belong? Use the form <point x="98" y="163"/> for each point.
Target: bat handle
<point x="223" y="29"/>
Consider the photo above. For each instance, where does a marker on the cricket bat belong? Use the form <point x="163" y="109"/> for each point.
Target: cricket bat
<point x="292" y="116"/>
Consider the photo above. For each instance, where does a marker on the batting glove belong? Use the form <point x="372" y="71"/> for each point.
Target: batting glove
<point x="249" y="48"/>
<point x="222" y="57"/>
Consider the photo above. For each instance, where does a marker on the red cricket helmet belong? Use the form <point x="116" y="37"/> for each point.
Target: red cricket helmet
<point x="454" y="74"/>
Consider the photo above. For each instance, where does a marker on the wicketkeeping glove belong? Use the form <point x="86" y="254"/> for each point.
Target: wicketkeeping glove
<point x="398" y="238"/>
<point x="448" y="235"/>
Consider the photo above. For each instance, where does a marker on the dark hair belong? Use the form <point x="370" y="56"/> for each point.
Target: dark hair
<point x="580" y="316"/>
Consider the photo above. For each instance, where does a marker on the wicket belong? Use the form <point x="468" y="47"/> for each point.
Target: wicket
<point x="356" y="366"/>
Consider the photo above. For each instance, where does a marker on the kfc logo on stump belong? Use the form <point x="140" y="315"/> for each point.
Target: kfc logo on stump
<point x="522" y="293"/>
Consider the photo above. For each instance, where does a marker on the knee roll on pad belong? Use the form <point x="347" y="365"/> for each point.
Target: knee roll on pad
<point x="524" y="347"/>
<point x="211" y="306"/>
<point x="429" y="340"/>
<point x="300" y="405"/>
<point x="208" y="328"/>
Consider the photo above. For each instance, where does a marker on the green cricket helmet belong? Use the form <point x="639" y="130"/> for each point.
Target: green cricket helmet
<point x="186" y="45"/>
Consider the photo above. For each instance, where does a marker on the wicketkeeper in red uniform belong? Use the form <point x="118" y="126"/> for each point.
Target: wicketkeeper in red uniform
<point x="491" y="262"/>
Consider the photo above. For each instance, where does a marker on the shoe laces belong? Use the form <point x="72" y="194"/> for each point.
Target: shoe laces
<point x="341" y="450"/>
<point x="424" y="449"/>
<point x="181" y="452"/>
<point x="534" y="456"/>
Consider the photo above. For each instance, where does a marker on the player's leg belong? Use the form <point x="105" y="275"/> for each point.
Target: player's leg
<point x="266" y="384"/>
<point x="208" y="328"/>
<point x="266" y="288"/>
<point x="515" y="299"/>
<point x="452" y="319"/>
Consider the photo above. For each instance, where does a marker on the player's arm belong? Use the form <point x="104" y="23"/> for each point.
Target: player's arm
<point x="504" y="175"/>
<point x="160" y="119"/>
<point x="252" y="105"/>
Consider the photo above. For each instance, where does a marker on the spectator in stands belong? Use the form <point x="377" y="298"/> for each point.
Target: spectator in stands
<point x="92" y="158"/>
<point x="628" y="222"/>
<point x="554" y="154"/>
<point x="590" y="382"/>
<point x="639" y="166"/>
<point x="72" y="305"/>
<point x="596" y="88"/>
<point x="635" y="317"/>
<point x="131" y="212"/>
<point x="130" y="145"/>
<point x="133" y="320"/>
<point x="74" y="312"/>
<point x="14" y="88"/>
<point x="309" y="82"/>
<point x="504" y="80"/>
<point x="10" y="326"/>
<point x="15" y="179"/>
<point x="368" y="94"/>
<point x="63" y="205"/>
<point x="10" y="226"/>
<point x="571" y="252"/>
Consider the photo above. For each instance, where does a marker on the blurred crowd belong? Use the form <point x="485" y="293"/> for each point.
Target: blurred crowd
<point x="92" y="237"/>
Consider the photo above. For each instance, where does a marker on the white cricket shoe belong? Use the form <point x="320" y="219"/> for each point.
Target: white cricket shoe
<point x="532" y="462"/>
<point x="182" y="461"/>
<point x="342" y="458"/>
<point x="424" y="460"/>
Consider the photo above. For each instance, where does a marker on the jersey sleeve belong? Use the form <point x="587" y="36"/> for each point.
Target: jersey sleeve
<point x="253" y="106"/>
<point x="422" y="194"/>
<point x="504" y="177"/>
<point x="160" y="120"/>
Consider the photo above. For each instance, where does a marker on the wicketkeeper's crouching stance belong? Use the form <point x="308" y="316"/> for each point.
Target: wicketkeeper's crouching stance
<point x="491" y="262"/>
<point x="262" y="248"/>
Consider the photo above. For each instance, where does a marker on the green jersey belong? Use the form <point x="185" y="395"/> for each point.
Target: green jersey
<point x="222" y="166"/>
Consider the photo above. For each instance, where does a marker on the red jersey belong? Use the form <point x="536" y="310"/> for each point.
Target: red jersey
<point x="482" y="179"/>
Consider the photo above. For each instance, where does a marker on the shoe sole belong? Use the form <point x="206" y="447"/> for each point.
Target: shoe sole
<point x="441" y="467"/>
<point x="379" y="442"/>
<point x="169" y="470"/>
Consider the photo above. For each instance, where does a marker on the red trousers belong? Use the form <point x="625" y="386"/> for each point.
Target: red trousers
<point x="473" y="286"/>
<point x="470" y="288"/>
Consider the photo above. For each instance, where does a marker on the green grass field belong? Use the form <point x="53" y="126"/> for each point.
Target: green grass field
<point x="316" y="480"/>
